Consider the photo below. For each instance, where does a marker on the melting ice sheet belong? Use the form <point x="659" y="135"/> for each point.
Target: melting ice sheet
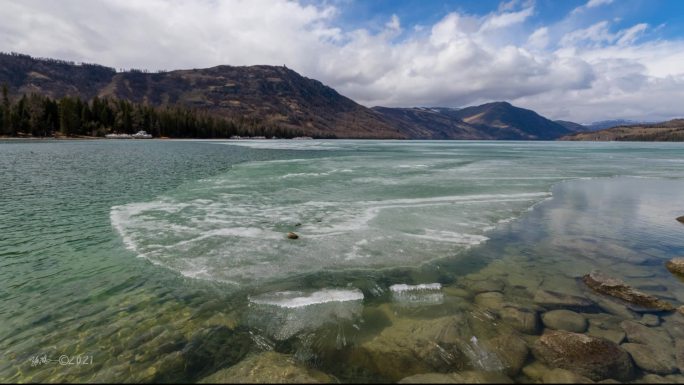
<point x="281" y="315"/>
<point x="371" y="209"/>
<point x="353" y="205"/>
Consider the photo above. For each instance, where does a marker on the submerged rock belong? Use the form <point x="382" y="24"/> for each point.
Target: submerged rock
<point x="656" y="379"/>
<point x="676" y="265"/>
<point x="476" y="377"/>
<point x="679" y="354"/>
<point x="613" y="287"/>
<point x="674" y="325"/>
<point x="512" y="351"/>
<point x="554" y="300"/>
<point x="613" y="306"/>
<point x="522" y="320"/>
<point x="650" y="320"/>
<point x="653" y="379"/>
<point x="565" y="320"/>
<point x="592" y="357"/>
<point x="169" y="368"/>
<point x="535" y="371"/>
<point x="640" y="334"/>
<point x="432" y="378"/>
<point x="612" y="335"/>
<point x="490" y="300"/>
<point x="562" y="376"/>
<point x="292" y="235"/>
<point x="488" y="285"/>
<point x="481" y="323"/>
<point x="213" y="348"/>
<point x="410" y="347"/>
<point x="651" y="360"/>
<point x="268" y="367"/>
<point x="469" y="377"/>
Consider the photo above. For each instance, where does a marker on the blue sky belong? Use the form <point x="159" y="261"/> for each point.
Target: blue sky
<point x="579" y="60"/>
<point x="372" y="14"/>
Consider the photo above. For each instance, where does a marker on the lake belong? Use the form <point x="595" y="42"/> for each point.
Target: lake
<point x="165" y="260"/>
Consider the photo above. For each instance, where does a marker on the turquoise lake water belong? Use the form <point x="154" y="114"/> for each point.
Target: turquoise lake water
<point x="168" y="260"/>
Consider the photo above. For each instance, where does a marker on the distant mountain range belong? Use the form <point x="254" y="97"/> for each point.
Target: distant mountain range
<point x="276" y="96"/>
<point x="498" y="120"/>
<point x="572" y="126"/>
<point x="670" y="131"/>
<point x="603" y="124"/>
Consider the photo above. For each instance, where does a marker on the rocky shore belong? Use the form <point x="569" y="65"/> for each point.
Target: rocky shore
<point x="506" y="325"/>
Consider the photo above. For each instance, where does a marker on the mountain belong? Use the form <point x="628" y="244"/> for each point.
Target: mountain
<point x="670" y="131"/>
<point x="505" y="121"/>
<point x="603" y="124"/>
<point x="572" y="126"/>
<point x="269" y="94"/>
<point x="275" y="97"/>
<point x="498" y="120"/>
<point x="429" y="123"/>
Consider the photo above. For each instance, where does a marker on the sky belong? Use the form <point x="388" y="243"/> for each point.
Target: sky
<point x="577" y="60"/>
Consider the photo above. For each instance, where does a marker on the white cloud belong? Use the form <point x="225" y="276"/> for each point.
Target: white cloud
<point x="506" y="19"/>
<point x="599" y="34"/>
<point x="637" y="82"/>
<point x="167" y="34"/>
<point x="628" y="36"/>
<point x="597" y="3"/>
<point x="394" y="23"/>
<point x="594" y="35"/>
<point x="508" y="5"/>
<point x="539" y="39"/>
<point x="569" y="70"/>
<point x="590" y="4"/>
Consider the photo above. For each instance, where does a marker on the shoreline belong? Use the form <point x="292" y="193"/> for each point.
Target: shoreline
<point x="4" y="137"/>
<point x="86" y="138"/>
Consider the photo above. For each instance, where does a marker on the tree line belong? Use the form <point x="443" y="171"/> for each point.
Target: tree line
<point x="42" y="116"/>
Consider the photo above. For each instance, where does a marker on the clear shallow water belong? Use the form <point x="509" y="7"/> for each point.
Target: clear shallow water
<point x="211" y="217"/>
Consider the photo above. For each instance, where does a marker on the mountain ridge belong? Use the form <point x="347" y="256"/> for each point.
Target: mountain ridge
<point x="668" y="131"/>
<point x="603" y="124"/>
<point x="495" y="120"/>
<point x="271" y="94"/>
<point x="274" y="96"/>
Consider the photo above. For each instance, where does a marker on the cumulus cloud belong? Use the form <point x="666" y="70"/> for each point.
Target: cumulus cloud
<point x="582" y="73"/>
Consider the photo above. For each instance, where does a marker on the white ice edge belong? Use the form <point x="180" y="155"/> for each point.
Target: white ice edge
<point x="295" y="299"/>
<point x="402" y="287"/>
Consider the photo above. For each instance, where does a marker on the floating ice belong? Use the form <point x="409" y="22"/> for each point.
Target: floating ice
<point x="295" y="299"/>
<point x="417" y="295"/>
<point x="281" y="315"/>
<point x="402" y="287"/>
